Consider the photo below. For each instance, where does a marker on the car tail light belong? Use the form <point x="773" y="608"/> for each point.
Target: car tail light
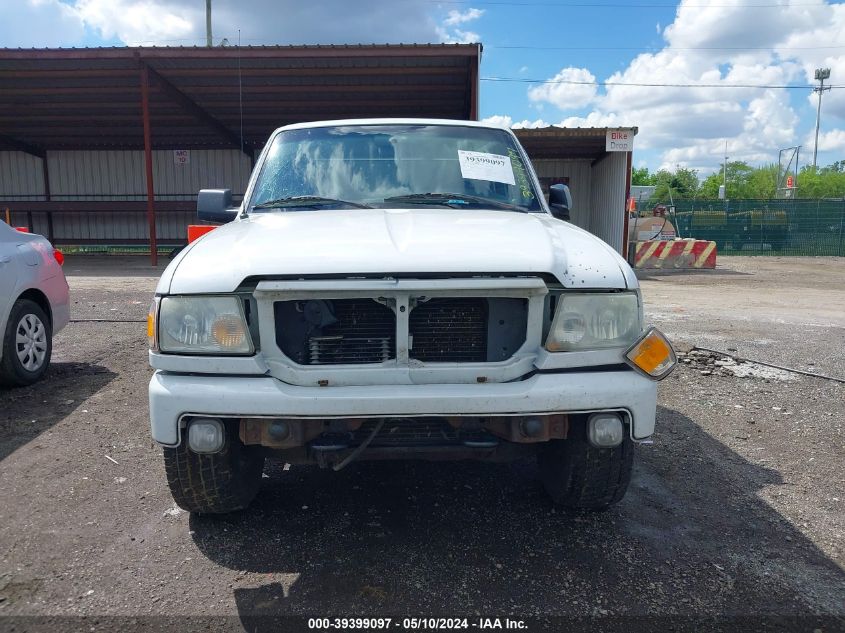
<point x="60" y="258"/>
<point x="22" y="229"/>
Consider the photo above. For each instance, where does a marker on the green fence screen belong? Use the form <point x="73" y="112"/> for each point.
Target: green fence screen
<point x="764" y="227"/>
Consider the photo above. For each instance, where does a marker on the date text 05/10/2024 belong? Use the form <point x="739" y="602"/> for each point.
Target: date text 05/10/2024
<point x="416" y="624"/>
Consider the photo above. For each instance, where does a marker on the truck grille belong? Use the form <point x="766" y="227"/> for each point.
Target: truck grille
<point x="364" y="331"/>
<point x="336" y="332"/>
<point x="449" y="330"/>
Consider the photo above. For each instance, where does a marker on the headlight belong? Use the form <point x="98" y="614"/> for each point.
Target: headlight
<point x="203" y="325"/>
<point x="594" y="321"/>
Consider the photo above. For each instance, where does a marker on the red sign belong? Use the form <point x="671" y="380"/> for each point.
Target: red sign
<point x="196" y="231"/>
<point x="790" y="182"/>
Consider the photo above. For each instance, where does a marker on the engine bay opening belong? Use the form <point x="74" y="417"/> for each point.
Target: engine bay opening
<point x="364" y="330"/>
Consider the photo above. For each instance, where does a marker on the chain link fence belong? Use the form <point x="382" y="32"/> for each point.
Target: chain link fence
<point x="771" y="227"/>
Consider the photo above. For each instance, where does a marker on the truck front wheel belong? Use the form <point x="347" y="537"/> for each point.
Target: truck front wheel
<point x="576" y="474"/>
<point x="214" y="483"/>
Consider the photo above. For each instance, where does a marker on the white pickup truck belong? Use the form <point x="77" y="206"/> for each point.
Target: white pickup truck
<point x="398" y="289"/>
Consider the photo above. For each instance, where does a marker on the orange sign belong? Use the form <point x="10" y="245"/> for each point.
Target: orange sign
<point x="196" y="231"/>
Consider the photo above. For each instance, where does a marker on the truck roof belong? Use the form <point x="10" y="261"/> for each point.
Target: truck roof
<point x="389" y="121"/>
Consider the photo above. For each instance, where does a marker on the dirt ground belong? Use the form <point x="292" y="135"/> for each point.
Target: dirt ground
<point x="737" y="509"/>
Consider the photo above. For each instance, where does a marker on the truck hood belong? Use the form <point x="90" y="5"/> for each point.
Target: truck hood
<point x="394" y="241"/>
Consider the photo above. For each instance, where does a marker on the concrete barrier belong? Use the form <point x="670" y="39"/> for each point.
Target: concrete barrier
<point x="675" y="254"/>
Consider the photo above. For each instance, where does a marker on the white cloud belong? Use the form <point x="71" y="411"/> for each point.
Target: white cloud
<point x="595" y="119"/>
<point x="456" y="17"/>
<point x="688" y="126"/>
<point x="567" y="96"/>
<point x="828" y="30"/>
<point x="139" y="22"/>
<point x="830" y="141"/>
<point x="448" y="33"/>
<point x="182" y="22"/>
<point x="530" y="124"/>
<point x="457" y="36"/>
<point x="58" y="24"/>
<point x="498" y="119"/>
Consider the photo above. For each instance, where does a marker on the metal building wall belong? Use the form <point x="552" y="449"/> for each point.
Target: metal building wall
<point x="21" y="175"/>
<point x="607" y="198"/>
<point x="580" y="177"/>
<point x="118" y="176"/>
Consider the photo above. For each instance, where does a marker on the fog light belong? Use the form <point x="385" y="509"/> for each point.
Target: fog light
<point x="605" y="430"/>
<point x="205" y="435"/>
<point x="532" y="427"/>
<point x="279" y="430"/>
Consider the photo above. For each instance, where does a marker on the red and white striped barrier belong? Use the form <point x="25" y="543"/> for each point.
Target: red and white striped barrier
<point x="675" y="254"/>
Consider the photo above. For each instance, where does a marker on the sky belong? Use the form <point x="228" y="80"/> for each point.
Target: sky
<point x="691" y="75"/>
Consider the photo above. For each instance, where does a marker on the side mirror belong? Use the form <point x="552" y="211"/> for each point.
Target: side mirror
<point x="215" y="205"/>
<point x="560" y="201"/>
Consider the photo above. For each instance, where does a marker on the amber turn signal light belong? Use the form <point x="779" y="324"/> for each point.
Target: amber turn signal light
<point x="228" y="330"/>
<point x="652" y="354"/>
<point x="151" y="325"/>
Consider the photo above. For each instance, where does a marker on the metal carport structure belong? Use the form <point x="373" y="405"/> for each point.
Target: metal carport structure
<point x="600" y="180"/>
<point x="55" y="102"/>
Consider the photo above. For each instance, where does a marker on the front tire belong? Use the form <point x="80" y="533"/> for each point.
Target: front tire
<point x="578" y="475"/>
<point x="216" y="483"/>
<point x="27" y="345"/>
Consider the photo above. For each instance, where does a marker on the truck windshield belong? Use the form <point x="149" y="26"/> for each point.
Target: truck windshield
<point x="394" y="165"/>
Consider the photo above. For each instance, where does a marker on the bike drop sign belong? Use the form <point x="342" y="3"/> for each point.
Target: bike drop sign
<point x="619" y="140"/>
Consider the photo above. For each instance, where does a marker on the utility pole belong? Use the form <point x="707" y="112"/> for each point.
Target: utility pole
<point x="723" y="194"/>
<point x="821" y="75"/>
<point x="208" y="41"/>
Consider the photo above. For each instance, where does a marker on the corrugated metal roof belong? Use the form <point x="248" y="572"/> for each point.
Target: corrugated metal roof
<point x="242" y="47"/>
<point x="81" y="98"/>
<point x="555" y="131"/>
<point x="566" y="142"/>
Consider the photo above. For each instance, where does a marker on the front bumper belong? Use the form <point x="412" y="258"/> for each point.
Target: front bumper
<point x="173" y="396"/>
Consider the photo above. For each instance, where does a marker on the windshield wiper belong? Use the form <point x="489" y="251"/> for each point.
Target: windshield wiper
<point x="306" y="201"/>
<point x="453" y="200"/>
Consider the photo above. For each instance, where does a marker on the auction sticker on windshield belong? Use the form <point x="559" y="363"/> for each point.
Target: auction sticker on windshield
<point x="483" y="166"/>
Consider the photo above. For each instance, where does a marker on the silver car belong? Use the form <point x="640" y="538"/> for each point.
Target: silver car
<point x="34" y="305"/>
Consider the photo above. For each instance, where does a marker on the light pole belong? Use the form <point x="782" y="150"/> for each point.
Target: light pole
<point x="208" y="40"/>
<point x="821" y="75"/>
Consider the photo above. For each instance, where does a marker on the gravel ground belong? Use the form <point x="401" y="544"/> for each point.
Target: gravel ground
<point x="737" y="509"/>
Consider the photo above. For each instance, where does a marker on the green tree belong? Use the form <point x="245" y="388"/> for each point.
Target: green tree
<point x="826" y="182"/>
<point x="681" y="185"/>
<point x="762" y="182"/>
<point x="641" y="176"/>
<point x="744" y="182"/>
<point x="837" y="168"/>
